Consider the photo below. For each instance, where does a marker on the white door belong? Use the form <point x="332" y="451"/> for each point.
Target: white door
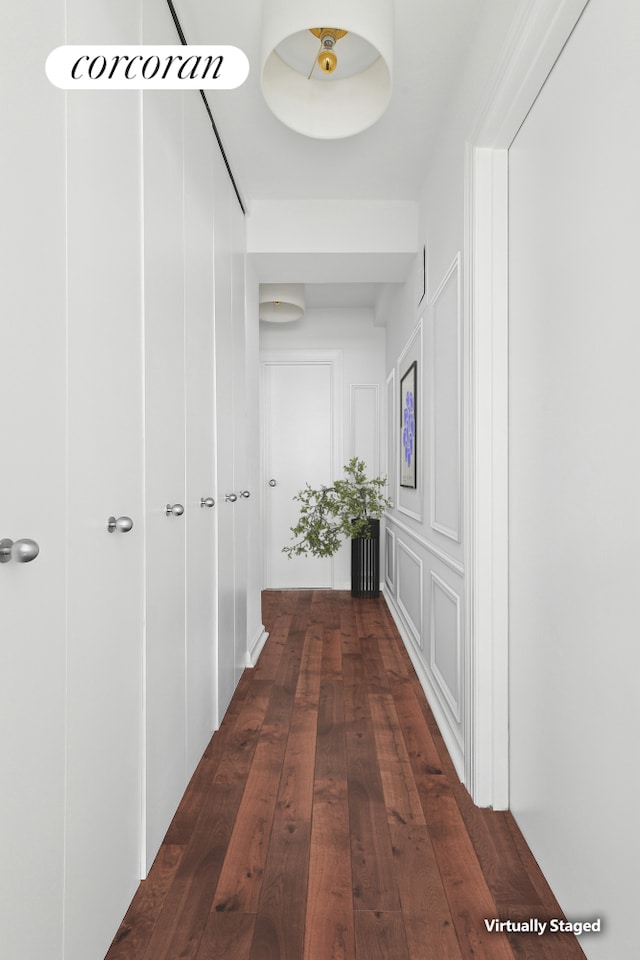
<point x="299" y="440"/>
<point x="240" y="453"/>
<point x="199" y="515"/>
<point x="33" y="501"/>
<point x="105" y="469"/>
<point x="227" y="494"/>
<point x="164" y="462"/>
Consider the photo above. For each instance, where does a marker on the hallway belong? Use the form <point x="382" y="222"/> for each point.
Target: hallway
<point x="326" y="822"/>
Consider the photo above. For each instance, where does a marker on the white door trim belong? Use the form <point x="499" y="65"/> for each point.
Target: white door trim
<point x="536" y="41"/>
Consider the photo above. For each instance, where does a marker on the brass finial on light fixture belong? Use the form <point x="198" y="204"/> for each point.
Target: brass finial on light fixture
<point x="328" y="36"/>
<point x="341" y="87"/>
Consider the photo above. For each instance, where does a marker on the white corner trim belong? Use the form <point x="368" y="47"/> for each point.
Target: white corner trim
<point x="535" y="42"/>
<point x="486" y="486"/>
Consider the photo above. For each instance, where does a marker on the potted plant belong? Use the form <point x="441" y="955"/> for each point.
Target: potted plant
<point x="348" y="509"/>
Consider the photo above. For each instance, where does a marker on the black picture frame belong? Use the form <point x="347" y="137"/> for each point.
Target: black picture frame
<point x="409" y="427"/>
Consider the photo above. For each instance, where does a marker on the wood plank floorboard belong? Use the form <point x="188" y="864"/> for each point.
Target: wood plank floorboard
<point x="325" y="820"/>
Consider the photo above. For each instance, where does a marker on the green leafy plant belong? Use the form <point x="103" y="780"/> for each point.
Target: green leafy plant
<point x="342" y="511"/>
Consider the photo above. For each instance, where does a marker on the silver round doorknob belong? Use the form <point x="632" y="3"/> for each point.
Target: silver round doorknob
<point x="245" y="493"/>
<point x="207" y="502"/>
<point x="231" y="497"/>
<point x="22" y="551"/>
<point x="175" y="510"/>
<point x="120" y="525"/>
<point x="273" y="483"/>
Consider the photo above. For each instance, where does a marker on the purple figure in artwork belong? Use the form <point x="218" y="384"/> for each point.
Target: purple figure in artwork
<point x="408" y="427"/>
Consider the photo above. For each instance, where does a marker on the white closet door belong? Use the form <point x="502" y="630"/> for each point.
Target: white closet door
<point x="105" y="570"/>
<point x="200" y="520"/>
<point x="33" y="501"/>
<point x="164" y="461"/>
<point x="242" y="532"/>
<point x="224" y="403"/>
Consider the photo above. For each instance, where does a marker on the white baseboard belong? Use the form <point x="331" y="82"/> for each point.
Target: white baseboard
<point x="255" y="648"/>
<point x="346" y="585"/>
<point x="451" y="742"/>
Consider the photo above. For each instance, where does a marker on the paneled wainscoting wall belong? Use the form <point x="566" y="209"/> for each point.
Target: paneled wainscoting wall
<point x="423" y="539"/>
<point x="424" y="591"/>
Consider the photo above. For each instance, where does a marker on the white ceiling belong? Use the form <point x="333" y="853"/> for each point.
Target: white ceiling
<point x="386" y="162"/>
<point x="323" y="295"/>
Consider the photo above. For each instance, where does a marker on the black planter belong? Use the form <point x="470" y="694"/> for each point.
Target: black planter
<point x="365" y="563"/>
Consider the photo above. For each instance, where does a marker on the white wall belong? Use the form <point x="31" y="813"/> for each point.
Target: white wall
<point x="426" y="321"/>
<point x="575" y="475"/>
<point x="574" y="460"/>
<point x="351" y="333"/>
<point x="332" y="241"/>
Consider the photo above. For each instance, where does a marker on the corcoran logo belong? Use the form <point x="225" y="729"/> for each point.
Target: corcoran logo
<point x="146" y="67"/>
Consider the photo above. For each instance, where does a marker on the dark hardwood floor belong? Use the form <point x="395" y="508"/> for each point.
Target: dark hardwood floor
<point x="326" y="822"/>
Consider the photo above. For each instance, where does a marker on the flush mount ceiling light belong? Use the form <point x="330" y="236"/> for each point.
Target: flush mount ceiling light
<point x="327" y="81"/>
<point x="281" y="302"/>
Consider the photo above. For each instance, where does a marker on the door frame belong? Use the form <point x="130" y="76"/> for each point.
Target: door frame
<point x="535" y="42"/>
<point x="331" y="358"/>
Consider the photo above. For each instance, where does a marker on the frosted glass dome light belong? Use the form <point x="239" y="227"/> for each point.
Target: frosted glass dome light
<point x="281" y="302"/>
<point x="327" y="103"/>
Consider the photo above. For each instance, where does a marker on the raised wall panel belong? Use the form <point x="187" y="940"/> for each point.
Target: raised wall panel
<point x="428" y="545"/>
<point x="410" y="592"/>
<point x="390" y="559"/>
<point x="391" y="433"/>
<point x="446" y="643"/>
<point x="445" y="366"/>
<point x="365" y="425"/>
<point x="409" y="500"/>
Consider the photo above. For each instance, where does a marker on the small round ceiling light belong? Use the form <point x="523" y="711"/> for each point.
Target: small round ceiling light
<point x="332" y="81"/>
<point x="281" y="302"/>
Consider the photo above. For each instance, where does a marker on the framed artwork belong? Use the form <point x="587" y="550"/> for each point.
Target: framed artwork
<point x="409" y="427"/>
